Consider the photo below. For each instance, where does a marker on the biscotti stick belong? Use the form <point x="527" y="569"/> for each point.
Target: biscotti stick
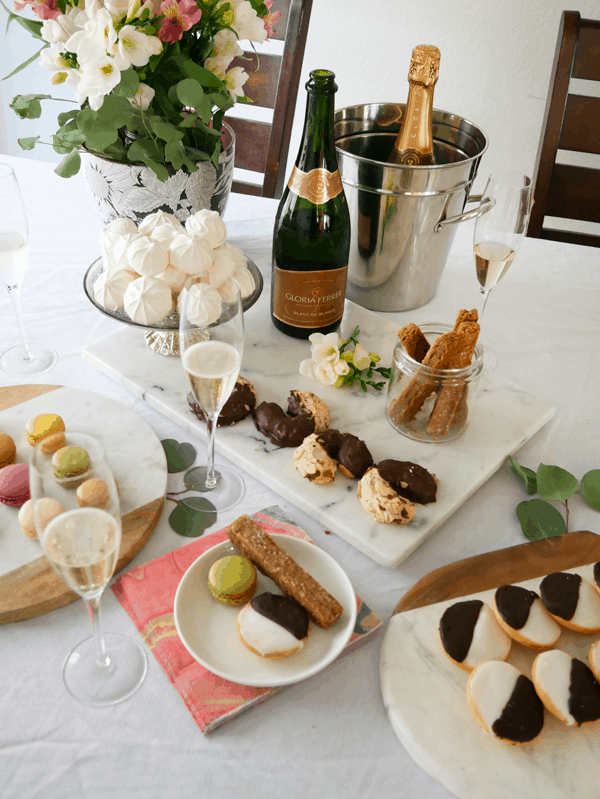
<point x="415" y="343"/>
<point x="441" y="352"/>
<point x="466" y="316"/>
<point x="288" y="576"/>
<point x="452" y="393"/>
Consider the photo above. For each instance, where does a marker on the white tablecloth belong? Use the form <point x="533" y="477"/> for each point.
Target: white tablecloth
<point x="329" y="736"/>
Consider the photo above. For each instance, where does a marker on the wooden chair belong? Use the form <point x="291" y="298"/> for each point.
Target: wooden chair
<point x="273" y="83"/>
<point x="571" y="122"/>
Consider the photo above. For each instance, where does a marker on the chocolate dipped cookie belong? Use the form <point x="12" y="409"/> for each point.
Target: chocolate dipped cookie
<point x="273" y="626"/>
<point x="572" y="601"/>
<point x="306" y="414"/>
<point x="240" y="404"/>
<point x="567" y="687"/>
<point x="321" y="454"/>
<point x="470" y="634"/>
<point x="522" y="615"/>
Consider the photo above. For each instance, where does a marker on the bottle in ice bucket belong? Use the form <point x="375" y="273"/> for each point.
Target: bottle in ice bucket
<point x="311" y="239"/>
<point x="414" y="143"/>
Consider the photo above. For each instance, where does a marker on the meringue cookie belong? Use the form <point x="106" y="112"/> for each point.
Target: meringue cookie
<point x="209" y="226"/>
<point x="190" y="254"/>
<point x="204" y="304"/>
<point x="148" y="300"/>
<point x="228" y="255"/>
<point x="149" y="258"/>
<point x="113" y="232"/>
<point x="176" y="280"/>
<point x="152" y="221"/>
<point x="166" y="233"/>
<point x="119" y="251"/>
<point x="245" y="281"/>
<point x="110" y="288"/>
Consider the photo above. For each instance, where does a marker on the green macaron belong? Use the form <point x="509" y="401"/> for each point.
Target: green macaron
<point x="70" y="462"/>
<point x="232" y="580"/>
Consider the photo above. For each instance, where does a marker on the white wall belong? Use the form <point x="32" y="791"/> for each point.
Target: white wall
<point x="495" y="67"/>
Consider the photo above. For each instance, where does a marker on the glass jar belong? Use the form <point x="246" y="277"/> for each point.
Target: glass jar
<point x="428" y="404"/>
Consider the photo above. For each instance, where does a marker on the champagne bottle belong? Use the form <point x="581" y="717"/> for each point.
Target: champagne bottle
<point x="311" y="238"/>
<point x="414" y="143"/>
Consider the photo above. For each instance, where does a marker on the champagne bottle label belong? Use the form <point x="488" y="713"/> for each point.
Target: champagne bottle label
<point x="317" y="186"/>
<point x="309" y="299"/>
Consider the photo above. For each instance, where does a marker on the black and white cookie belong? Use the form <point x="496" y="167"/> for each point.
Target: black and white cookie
<point x="504" y="702"/>
<point x="567" y="687"/>
<point x="522" y="615"/>
<point x="572" y="601"/>
<point x="470" y="634"/>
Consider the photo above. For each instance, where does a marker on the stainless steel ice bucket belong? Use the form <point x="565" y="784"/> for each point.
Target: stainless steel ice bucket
<point x="403" y="217"/>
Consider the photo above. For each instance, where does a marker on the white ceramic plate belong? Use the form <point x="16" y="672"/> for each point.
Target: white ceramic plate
<point x="207" y="628"/>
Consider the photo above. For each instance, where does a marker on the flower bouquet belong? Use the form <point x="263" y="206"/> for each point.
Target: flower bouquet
<point x="152" y="80"/>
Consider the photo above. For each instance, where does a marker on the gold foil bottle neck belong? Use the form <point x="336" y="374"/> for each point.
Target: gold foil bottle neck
<point x="424" y="65"/>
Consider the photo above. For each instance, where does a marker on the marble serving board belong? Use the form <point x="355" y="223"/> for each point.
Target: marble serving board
<point x="132" y="448"/>
<point x="424" y="694"/>
<point x="505" y="417"/>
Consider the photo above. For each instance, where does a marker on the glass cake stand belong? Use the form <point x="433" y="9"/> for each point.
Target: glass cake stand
<point x="162" y="337"/>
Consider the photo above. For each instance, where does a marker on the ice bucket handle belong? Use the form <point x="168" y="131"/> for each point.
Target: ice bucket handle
<point x="452" y="220"/>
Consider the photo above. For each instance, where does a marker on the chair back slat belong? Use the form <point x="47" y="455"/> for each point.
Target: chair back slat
<point x="263" y="76"/>
<point x="581" y="125"/>
<point x="570" y="123"/>
<point x="251" y="143"/>
<point x="587" y="57"/>
<point x="574" y="193"/>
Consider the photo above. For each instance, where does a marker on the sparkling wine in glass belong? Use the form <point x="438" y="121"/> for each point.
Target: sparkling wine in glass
<point x="500" y="227"/>
<point x="82" y="543"/>
<point x="211" y="339"/>
<point x="23" y="360"/>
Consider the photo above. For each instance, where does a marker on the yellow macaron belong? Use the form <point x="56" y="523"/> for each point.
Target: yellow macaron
<point x="42" y="425"/>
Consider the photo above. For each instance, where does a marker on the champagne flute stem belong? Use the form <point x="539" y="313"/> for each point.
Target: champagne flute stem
<point x="15" y="298"/>
<point x="211" y="424"/>
<point x="486" y="294"/>
<point x="93" y="606"/>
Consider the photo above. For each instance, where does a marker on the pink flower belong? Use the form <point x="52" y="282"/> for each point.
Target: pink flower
<point x="270" y="19"/>
<point x="44" y="9"/>
<point x="178" y="17"/>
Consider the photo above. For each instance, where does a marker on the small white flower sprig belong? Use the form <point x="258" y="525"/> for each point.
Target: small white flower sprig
<point x="331" y="365"/>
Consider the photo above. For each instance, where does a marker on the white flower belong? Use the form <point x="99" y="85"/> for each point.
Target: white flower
<point x="226" y="49"/>
<point x="247" y="24"/>
<point x="360" y="357"/>
<point x="59" y="30"/>
<point x="143" y="97"/>
<point x="100" y="75"/>
<point x="52" y="58"/>
<point x="235" y="79"/>
<point x="325" y="373"/>
<point x="135" y="47"/>
<point x="117" y="8"/>
<point x="324" y="348"/>
<point x="307" y="368"/>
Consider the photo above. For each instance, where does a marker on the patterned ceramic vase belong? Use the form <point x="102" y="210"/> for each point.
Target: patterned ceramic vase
<point x="122" y="190"/>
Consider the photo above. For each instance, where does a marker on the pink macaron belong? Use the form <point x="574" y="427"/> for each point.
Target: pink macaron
<point x="14" y="484"/>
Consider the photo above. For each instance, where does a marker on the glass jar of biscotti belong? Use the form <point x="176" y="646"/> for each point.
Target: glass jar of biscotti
<point x="430" y="404"/>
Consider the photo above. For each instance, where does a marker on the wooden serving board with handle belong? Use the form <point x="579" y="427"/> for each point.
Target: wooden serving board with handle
<point x="510" y="565"/>
<point x="35" y="588"/>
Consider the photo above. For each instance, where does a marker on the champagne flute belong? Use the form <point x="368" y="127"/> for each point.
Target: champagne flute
<point x="82" y="546"/>
<point x="500" y="227"/>
<point x="211" y="341"/>
<point x="23" y="360"/>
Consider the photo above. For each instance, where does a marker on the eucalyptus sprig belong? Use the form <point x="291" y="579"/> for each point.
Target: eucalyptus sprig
<point x="362" y="365"/>
<point x="191" y="515"/>
<point x="540" y="519"/>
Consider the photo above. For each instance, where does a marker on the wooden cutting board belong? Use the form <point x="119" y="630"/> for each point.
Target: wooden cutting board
<point x="425" y="693"/>
<point x="34" y="587"/>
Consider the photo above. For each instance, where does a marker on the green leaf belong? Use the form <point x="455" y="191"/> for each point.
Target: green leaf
<point x="180" y="456"/>
<point x="202" y="75"/>
<point x="173" y="154"/>
<point x="65" y="116"/>
<point x="65" y="140"/>
<point x="590" y="488"/>
<point x="116" y="151"/>
<point x="25" y="63"/>
<point x="526" y="475"/>
<point x="192" y="516"/>
<point x="128" y="85"/>
<point x="224" y="103"/>
<point x="100" y="139"/>
<point x="189" y="121"/>
<point x="28" y="144"/>
<point x="70" y="164"/>
<point x="555" y="483"/>
<point x="114" y="113"/>
<point x="190" y="93"/>
<point x="539" y="519"/>
<point x="160" y="170"/>
<point x="142" y="149"/>
<point x="164" y="131"/>
<point x="28" y="106"/>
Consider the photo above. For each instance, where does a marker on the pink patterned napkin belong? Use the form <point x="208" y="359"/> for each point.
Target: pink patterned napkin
<point x="147" y="593"/>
